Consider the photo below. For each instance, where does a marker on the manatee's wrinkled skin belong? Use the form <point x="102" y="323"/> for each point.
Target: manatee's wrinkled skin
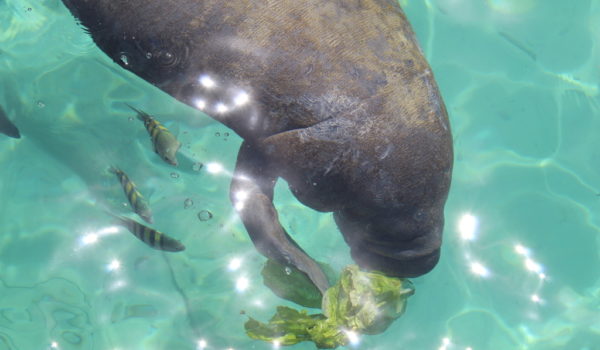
<point x="334" y="96"/>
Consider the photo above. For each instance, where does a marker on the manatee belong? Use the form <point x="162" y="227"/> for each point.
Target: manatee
<point x="335" y="97"/>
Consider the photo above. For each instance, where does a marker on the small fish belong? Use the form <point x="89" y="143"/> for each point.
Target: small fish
<point x="138" y="202"/>
<point x="7" y="127"/>
<point x="150" y="236"/>
<point x="165" y="143"/>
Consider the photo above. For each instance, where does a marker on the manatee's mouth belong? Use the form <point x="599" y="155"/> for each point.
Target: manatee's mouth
<point x="406" y="264"/>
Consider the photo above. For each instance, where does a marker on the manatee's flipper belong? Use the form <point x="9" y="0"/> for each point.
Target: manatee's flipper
<point x="252" y="195"/>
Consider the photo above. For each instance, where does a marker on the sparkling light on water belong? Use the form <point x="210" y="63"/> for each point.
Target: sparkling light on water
<point x="467" y="226"/>
<point x="234" y="264"/>
<point x="242" y="284"/>
<point x="240" y="199"/>
<point x="116" y="285"/>
<point x="202" y="344"/>
<point x="113" y="265"/>
<point x="214" y="168"/>
<point x="221" y="108"/>
<point x="445" y="343"/>
<point x="241" y="99"/>
<point x="478" y="269"/>
<point x="207" y="81"/>
<point x="89" y="238"/>
<point x="521" y="250"/>
<point x="533" y="266"/>
<point x="353" y="338"/>
<point x="200" y="104"/>
<point x="93" y="237"/>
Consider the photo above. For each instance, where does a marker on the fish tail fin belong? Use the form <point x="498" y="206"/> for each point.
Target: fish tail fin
<point x="120" y="219"/>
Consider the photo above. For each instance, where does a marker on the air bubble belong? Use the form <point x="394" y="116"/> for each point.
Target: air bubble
<point x="188" y="203"/>
<point x="217" y="134"/>
<point x="174" y="175"/>
<point x="148" y="55"/>
<point x="197" y="166"/>
<point x="205" y="215"/>
<point x="288" y="271"/>
<point x="41" y="104"/>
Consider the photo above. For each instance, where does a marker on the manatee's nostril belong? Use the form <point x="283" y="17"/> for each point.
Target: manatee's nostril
<point x="124" y="58"/>
<point x="167" y="58"/>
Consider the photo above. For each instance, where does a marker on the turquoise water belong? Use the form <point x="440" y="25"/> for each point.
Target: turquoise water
<point x="520" y="266"/>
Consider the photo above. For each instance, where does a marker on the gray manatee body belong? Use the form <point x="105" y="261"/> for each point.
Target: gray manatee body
<point x="333" y="96"/>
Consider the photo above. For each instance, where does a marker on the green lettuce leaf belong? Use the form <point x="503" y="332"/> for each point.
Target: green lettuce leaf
<point x="367" y="302"/>
<point x="289" y="283"/>
<point x="360" y="302"/>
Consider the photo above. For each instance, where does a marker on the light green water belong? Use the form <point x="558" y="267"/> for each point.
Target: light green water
<point x="520" y="266"/>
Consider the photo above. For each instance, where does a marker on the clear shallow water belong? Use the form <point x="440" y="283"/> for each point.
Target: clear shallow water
<point x="520" y="261"/>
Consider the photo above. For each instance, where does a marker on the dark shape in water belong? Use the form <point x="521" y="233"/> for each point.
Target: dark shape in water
<point x="333" y="96"/>
<point x="7" y="127"/>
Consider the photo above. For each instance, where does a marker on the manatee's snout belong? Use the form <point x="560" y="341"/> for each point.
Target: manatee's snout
<point x="404" y="267"/>
<point x="150" y="58"/>
<point x="397" y="245"/>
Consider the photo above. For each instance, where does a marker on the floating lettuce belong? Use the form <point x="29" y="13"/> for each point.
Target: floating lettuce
<point x="292" y="284"/>
<point x="360" y="302"/>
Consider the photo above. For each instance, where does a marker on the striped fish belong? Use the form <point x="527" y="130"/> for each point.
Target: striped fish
<point x="150" y="236"/>
<point x="136" y="200"/>
<point x="164" y="142"/>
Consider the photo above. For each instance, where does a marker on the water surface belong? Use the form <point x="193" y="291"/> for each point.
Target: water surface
<point x="520" y="260"/>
